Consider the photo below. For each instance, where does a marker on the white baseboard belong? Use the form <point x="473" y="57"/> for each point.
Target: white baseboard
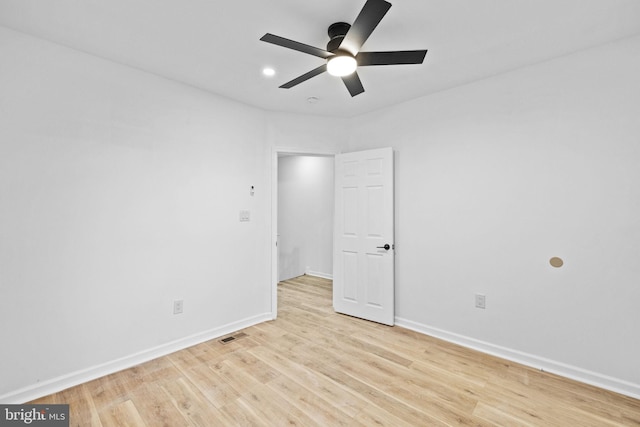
<point x="63" y="382"/>
<point x="588" y="377"/>
<point x="318" y="274"/>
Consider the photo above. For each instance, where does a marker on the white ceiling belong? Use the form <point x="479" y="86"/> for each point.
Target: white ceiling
<point x="214" y="45"/>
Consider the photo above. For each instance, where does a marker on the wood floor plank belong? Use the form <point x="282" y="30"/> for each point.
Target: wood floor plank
<point x="345" y="401"/>
<point x="391" y="405"/>
<point x="191" y="402"/>
<point x="312" y="366"/>
<point x="238" y="413"/>
<point x="155" y="408"/>
<point x="123" y="414"/>
<point x="249" y="364"/>
<point x="495" y="416"/>
<point x="84" y="410"/>
<point x="320" y="410"/>
<point x="372" y="415"/>
<point x="276" y="410"/>
<point x="240" y="381"/>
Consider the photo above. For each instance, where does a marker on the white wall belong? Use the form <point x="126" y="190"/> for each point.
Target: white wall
<point x="303" y="133"/>
<point x="495" y="178"/>
<point x="305" y="216"/>
<point x="120" y="192"/>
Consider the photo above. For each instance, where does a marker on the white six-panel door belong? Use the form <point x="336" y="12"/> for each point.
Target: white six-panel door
<point x="363" y="267"/>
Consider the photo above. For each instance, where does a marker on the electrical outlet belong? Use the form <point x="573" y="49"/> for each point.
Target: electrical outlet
<point x="480" y="301"/>
<point x="178" y="306"/>
<point x="245" y="216"/>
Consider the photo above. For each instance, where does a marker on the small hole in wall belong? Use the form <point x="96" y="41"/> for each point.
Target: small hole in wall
<point x="556" y="262"/>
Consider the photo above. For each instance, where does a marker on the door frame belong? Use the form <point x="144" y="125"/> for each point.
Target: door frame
<point x="275" y="152"/>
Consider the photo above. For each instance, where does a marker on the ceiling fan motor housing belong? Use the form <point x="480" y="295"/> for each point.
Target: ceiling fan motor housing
<point x="336" y="32"/>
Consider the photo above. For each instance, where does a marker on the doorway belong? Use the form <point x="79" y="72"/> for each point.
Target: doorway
<point x="302" y="216"/>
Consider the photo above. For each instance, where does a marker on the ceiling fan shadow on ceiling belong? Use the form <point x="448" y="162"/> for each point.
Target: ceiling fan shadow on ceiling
<point x="343" y="55"/>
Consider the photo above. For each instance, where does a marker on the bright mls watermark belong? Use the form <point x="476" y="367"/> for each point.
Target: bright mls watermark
<point x="34" y="415"/>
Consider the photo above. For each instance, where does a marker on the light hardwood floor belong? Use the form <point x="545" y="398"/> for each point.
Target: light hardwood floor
<point x="312" y="367"/>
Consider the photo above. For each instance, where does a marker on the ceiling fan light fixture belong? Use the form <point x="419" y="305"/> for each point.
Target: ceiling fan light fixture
<point x="341" y="65"/>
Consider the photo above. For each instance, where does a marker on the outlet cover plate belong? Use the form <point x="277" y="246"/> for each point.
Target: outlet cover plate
<point x="178" y="306"/>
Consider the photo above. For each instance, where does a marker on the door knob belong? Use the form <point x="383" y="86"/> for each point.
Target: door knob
<point x="386" y="247"/>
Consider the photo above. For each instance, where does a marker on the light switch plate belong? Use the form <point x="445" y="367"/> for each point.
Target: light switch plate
<point x="178" y="306"/>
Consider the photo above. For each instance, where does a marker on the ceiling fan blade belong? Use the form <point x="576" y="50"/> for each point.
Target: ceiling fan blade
<point x="391" y="58"/>
<point x="306" y="76"/>
<point x="368" y="19"/>
<point x="353" y="84"/>
<point x="300" y="47"/>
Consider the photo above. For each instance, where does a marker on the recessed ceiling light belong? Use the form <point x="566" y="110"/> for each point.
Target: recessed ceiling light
<point x="312" y="100"/>
<point x="269" y="72"/>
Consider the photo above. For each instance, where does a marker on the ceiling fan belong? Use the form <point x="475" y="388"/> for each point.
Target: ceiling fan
<point x="343" y="54"/>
